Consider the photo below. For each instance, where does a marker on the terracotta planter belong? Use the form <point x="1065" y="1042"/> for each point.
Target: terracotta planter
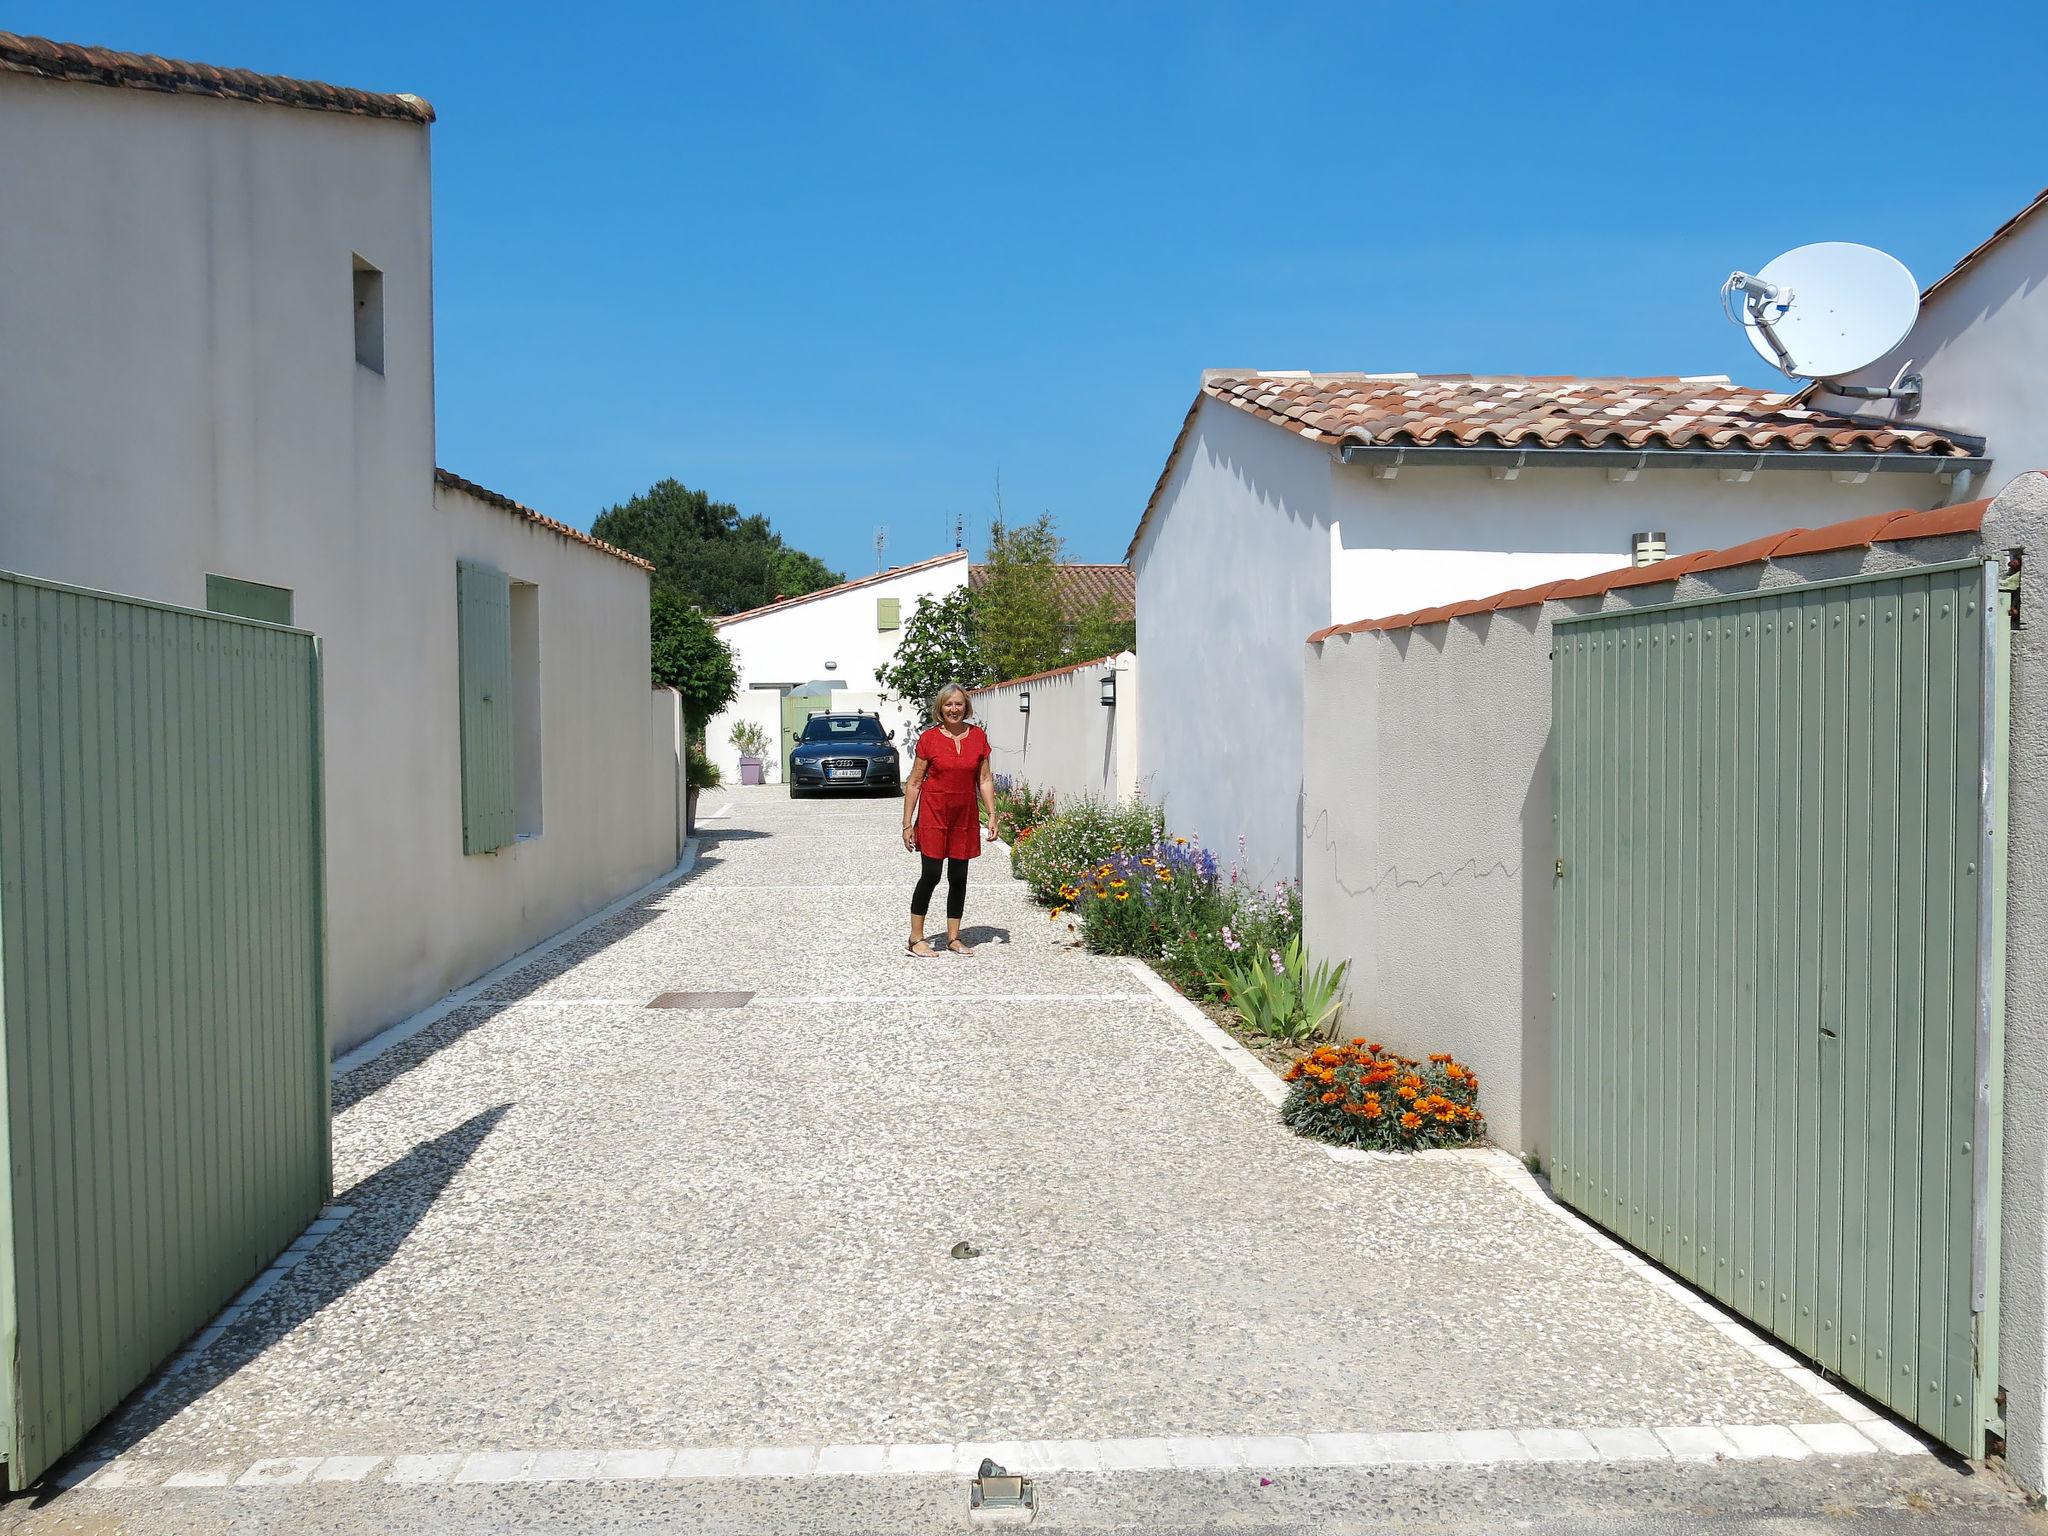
<point x="690" y="809"/>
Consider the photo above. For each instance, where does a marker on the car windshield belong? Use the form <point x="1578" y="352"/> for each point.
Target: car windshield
<point x="864" y="728"/>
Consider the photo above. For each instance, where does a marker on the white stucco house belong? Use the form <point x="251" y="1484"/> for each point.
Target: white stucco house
<point x="220" y="394"/>
<point x="1290" y="501"/>
<point x="824" y="650"/>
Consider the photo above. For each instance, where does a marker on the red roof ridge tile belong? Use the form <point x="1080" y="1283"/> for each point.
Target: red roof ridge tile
<point x="76" y="63"/>
<point x="844" y="586"/>
<point x="1852" y="533"/>
<point x="1032" y="677"/>
<point x="505" y="503"/>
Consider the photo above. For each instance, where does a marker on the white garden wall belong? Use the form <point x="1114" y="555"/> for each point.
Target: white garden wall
<point x="1069" y="742"/>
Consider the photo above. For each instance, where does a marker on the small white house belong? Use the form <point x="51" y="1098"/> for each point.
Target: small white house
<point x="220" y="394"/>
<point x="824" y="650"/>
<point x="1290" y="501"/>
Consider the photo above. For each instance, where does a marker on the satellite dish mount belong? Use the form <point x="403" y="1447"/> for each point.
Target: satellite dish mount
<point x="1823" y="311"/>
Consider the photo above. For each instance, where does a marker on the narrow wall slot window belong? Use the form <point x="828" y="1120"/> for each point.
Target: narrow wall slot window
<point x="483" y="623"/>
<point x="248" y="599"/>
<point x="369" y="296"/>
<point x="526" y="708"/>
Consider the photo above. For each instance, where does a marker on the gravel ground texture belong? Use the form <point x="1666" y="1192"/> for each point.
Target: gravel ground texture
<point x="580" y="1221"/>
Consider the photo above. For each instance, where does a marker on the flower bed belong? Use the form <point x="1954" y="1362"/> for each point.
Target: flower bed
<point x="1361" y="1095"/>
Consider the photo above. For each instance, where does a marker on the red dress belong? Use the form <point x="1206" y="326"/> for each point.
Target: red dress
<point x="948" y="801"/>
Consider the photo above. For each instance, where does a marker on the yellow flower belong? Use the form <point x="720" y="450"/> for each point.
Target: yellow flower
<point x="1116" y="885"/>
<point x="1123" y="895"/>
<point x="1182" y="841"/>
<point x="1165" y="877"/>
<point x="1056" y="912"/>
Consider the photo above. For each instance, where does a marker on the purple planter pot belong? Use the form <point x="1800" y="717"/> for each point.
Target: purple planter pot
<point x="750" y="770"/>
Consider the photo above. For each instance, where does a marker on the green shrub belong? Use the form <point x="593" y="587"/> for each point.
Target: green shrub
<point x="1278" y="993"/>
<point x="699" y="772"/>
<point x="1019" y="808"/>
<point x="750" y="739"/>
<point x="1360" y="1095"/>
<point x="1246" y="920"/>
<point x="1060" y="851"/>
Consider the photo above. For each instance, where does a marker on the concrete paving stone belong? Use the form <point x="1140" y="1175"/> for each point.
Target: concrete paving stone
<point x="715" y="1461"/>
<point x="78" y="1469"/>
<point x="493" y="1467"/>
<point x="853" y="1460"/>
<point x="779" y="1461"/>
<point x="1136" y="1454"/>
<point x="634" y="1465"/>
<point x="1696" y="1442"/>
<point x="1481" y="1446"/>
<point x="920" y="1459"/>
<point x="564" y="1467"/>
<point x="1887" y="1436"/>
<point x="1343" y="1450"/>
<point x="278" y="1472"/>
<point x="1837" y="1439"/>
<point x="1038" y="1456"/>
<point x="970" y="1454"/>
<point x="201" y="1477"/>
<point x="1557" y="1445"/>
<point x="1752" y="1440"/>
<point x="435" y="1467"/>
<point x="346" y="1469"/>
<point x="1271" y="1450"/>
<point x="1202" y="1451"/>
<point x="1627" y="1444"/>
<point x="110" y="1474"/>
<point x="1849" y="1409"/>
<point x="1415" y="1447"/>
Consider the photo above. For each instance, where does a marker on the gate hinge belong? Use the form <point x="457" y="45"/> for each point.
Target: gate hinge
<point x="1560" y="869"/>
<point x="2009" y="581"/>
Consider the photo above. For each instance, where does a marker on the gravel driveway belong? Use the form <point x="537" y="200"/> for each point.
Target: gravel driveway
<point x="585" y="1230"/>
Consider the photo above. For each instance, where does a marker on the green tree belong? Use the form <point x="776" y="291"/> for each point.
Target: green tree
<point x="691" y="657"/>
<point x="1100" y="630"/>
<point x="706" y="552"/>
<point x="1018" y="621"/>
<point x="938" y="646"/>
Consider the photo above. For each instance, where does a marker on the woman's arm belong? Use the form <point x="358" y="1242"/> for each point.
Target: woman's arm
<point x="985" y="782"/>
<point x="910" y="790"/>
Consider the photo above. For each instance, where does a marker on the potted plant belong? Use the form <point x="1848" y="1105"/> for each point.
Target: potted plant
<point x="753" y="744"/>
<point x="699" y="773"/>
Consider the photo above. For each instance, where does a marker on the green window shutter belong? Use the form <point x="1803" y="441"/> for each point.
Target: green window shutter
<point x="888" y="613"/>
<point x="249" y="600"/>
<point x="483" y="607"/>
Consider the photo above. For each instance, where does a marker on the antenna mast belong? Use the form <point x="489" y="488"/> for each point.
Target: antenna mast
<point x="881" y="543"/>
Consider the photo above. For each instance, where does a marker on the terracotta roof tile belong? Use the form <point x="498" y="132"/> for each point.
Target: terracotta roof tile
<point x="518" y="509"/>
<point x="48" y="60"/>
<point x="844" y="586"/>
<point x="1084" y="585"/>
<point x="1508" y="411"/>
<point x="1855" y="533"/>
<point x="1033" y="677"/>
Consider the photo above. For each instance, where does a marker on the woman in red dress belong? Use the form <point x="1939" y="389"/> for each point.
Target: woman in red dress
<point x="950" y="790"/>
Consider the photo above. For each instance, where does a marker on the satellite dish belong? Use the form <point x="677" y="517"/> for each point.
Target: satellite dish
<point x="1824" y="310"/>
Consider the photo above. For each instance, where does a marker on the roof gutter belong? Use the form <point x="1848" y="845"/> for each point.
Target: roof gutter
<point x="1384" y="460"/>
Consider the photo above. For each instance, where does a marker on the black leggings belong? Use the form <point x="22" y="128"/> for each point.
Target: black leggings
<point x="956" y="887"/>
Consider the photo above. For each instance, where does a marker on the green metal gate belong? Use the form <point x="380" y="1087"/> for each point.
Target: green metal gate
<point x="1780" y="964"/>
<point x="163" y="1082"/>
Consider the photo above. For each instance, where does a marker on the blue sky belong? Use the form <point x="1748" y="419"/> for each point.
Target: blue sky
<point x="843" y="263"/>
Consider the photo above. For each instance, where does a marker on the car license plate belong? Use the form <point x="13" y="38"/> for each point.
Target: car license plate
<point x="845" y="773"/>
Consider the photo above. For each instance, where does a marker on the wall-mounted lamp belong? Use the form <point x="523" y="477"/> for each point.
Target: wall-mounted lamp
<point x="1024" y="702"/>
<point x="1109" y="690"/>
<point x="831" y="666"/>
<point x="1647" y="548"/>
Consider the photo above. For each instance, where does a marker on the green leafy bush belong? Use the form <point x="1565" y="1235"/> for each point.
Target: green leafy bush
<point x="1361" y="1095"/>
<point x="750" y="739"/>
<point x="699" y="772"/>
<point x="1061" y="851"/>
<point x="1019" y="808"/>
<point x="1246" y="920"/>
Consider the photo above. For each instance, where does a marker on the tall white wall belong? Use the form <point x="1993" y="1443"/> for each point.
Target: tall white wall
<point x="1980" y="345"/>
<point x="1069" y="742"/>
<point x="1233" y="572"/>
<point x="182" y="398"/>
<point x="833" y="638"/>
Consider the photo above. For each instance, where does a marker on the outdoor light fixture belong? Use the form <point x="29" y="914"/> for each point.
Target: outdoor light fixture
<point x="1024" y="702"/>
<point x="1109" y="690"/>
<point x="1647" y="548"/>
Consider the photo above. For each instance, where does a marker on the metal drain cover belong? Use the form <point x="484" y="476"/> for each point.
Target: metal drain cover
<point x="998" y="1497"/>
<point x="702" y="1000"/>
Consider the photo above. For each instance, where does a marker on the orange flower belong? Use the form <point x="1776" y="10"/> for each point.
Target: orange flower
<point x="1358" y="1039"/>
<point x="1405" y="1091"/>
<point x="1331" y="1098"/>
<point x="1411" y="1121"/>
<point x="1454" y="1072"/>
<point x="1375" y="1048"/>
<point x="1372" y="1108"/>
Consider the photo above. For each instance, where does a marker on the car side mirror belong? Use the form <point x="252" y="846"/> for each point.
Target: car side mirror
<point x="890" y="734"/>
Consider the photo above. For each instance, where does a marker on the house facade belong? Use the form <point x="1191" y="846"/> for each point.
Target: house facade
<point x="1290" y="501"/>
<point x="220" y="395"/>
<point x="824" y="650"/>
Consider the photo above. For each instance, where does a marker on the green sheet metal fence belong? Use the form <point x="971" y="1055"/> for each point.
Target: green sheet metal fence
<point x="1780" y="962"/>
<point x="165" y="1109"/>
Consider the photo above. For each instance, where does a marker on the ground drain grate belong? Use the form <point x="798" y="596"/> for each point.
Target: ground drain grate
<point x="702" y="1000"/>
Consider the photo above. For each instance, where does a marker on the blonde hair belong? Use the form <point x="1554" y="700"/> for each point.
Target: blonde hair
<point x="945" y="693"/>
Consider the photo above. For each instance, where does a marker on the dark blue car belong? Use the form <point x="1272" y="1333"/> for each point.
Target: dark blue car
<point x="844" y="752"/>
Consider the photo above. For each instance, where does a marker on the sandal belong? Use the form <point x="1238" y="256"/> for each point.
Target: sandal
<point x="959" y="948"/>
<point x="910" y="948"/>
